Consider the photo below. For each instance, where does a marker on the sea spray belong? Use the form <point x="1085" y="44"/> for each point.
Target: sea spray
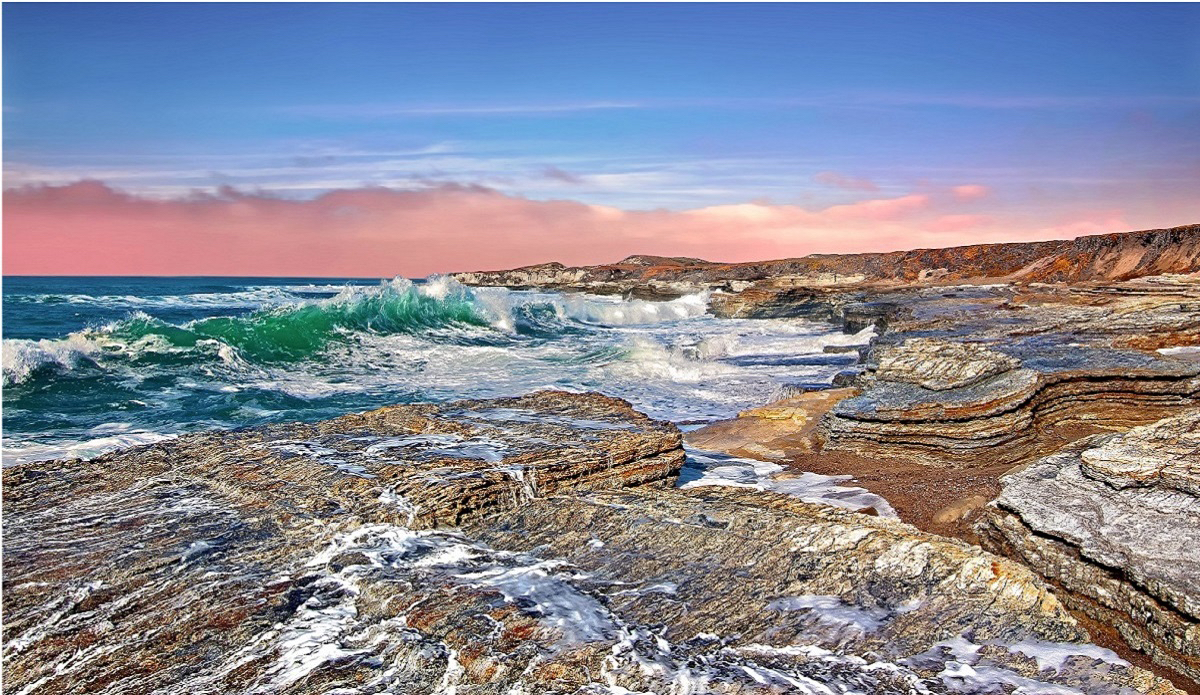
<point x="199" y="354"/>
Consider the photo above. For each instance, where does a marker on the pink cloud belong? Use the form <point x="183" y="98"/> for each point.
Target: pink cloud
<point x="90" y="228"/>
<point x="849" y="183"/>
<point x="970" y="191"/>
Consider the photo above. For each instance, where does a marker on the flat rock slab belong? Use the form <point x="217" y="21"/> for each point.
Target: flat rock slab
<point x="1163" y="455"/>
<point x="1115" y="520"/>
<point x="938" y="365"/>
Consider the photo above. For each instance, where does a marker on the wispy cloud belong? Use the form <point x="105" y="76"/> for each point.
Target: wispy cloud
<point x="842" y="100"/>
<point x="393" y="110"/>
<point x="555" y="174"/>
<point x="850" y="183"/>
<point x="970" y="191"/>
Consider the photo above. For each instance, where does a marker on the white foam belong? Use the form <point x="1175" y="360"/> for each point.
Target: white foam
<point x="449" y="445"/>
<point x="611" y="311"/>
<point x="833" y="611"/>
<point x="1054" y="655"/>
<point x="16" y="453"/>
<point x="708" y="468"/>
<point x="21" y="358"/>
<point x="542" y="586"/>
<point x="318" y="453"/>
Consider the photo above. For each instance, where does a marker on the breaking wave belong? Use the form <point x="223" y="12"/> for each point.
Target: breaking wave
<point x="301" y="330"/>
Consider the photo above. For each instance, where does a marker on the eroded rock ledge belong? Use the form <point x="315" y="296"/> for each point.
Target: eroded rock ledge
<point x="950" y="403"/>
<point x="320" y="559"/>
<point x="1115" y="522"/>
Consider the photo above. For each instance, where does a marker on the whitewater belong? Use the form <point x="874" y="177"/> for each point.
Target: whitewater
<point x="96" y="364"/>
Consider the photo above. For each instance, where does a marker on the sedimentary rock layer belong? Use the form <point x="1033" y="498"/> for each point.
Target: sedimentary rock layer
<point x="999" y="416"/>
<point x="1106" y="257"/>
<point x="978" y="374"/>
<point x="315" y="559"/>
<point x="1115" y="522"/>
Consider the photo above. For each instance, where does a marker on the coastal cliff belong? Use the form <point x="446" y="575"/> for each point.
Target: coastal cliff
<point x="988" y="359"/>
<point x="1098" y="258"/>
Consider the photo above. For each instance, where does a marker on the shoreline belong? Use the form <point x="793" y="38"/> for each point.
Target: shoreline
<point x="985" y="416"/>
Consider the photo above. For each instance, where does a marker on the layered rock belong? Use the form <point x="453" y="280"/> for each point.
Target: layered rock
<point x="1098" y="258"/>
<point x="317" y="559"/>
<point x="965" y="377"/>
<point x="1113" y="521"/>
<point x="939" y="365"/>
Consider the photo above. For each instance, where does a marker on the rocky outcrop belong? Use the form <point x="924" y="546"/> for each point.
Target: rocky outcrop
<point x="940" y="365"/>
<point x="978" y="375"/>
<point x="1113" y="521"/>
<point x="319" y="559"/>
<point x="1099" y="258"/>
<point x="999" y="416"/>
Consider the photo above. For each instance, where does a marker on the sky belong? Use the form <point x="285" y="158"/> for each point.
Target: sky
<point x="380" y="139"/>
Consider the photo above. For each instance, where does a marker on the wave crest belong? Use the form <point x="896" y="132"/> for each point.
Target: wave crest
<point x="24" y="359"/>
<point x="303" y="329"/>
<point x="278" y="334"/>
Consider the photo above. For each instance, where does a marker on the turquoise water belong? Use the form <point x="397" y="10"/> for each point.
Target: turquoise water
<point x="93" y="364"/>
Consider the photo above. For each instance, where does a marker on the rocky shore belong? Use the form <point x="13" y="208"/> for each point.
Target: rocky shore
<point x="520" y="545"/>
<point x="989" y="359"/>
<point x="1023" y="428"/>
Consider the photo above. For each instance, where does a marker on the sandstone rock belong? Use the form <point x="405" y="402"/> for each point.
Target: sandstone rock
<point x="961" y="380"/>
<point x="1113" y="521"/>
<point x="1162" y="455"/>
<point x="774" y="431"/>
<point x="301" y="559"/>
<point x="1099" y="258"/>
<point x="940" y="365"/>
<point x="999" y="417"/>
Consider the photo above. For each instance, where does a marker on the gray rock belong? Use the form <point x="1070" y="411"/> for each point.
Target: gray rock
<point x="1115" y="521"/>
<point x="940" y="365"/>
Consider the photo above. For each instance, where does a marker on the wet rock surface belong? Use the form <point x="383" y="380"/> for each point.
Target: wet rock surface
<point x="187" y="563"/>
<point x="321" y="559"/>
<point x="939" y="365"/>
<point x="1115" y="522"/>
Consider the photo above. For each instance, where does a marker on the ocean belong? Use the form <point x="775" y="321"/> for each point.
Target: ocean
<point x="92" y="364"/>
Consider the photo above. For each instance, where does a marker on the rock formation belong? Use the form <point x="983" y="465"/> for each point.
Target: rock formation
<point x="1114" y="521"/>
<point x="969" y="377"/>
<point x="549" y="543"/>
<point x="990" y="357"/>
<point x="324" y="558"/>
<point x="1099" y="258"/>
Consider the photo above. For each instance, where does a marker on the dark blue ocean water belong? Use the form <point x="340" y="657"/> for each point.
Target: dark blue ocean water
<point x="92" y="364"/>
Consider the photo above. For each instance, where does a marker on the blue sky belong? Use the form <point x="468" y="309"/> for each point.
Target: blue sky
<point x="638" y="106"/>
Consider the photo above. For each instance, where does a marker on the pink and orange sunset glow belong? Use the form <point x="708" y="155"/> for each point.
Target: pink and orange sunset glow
<point x="90" y="228"/>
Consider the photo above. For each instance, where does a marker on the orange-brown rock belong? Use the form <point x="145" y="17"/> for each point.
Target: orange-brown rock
<point x="1105" y="257"/>
<point x="292" y="559"/>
